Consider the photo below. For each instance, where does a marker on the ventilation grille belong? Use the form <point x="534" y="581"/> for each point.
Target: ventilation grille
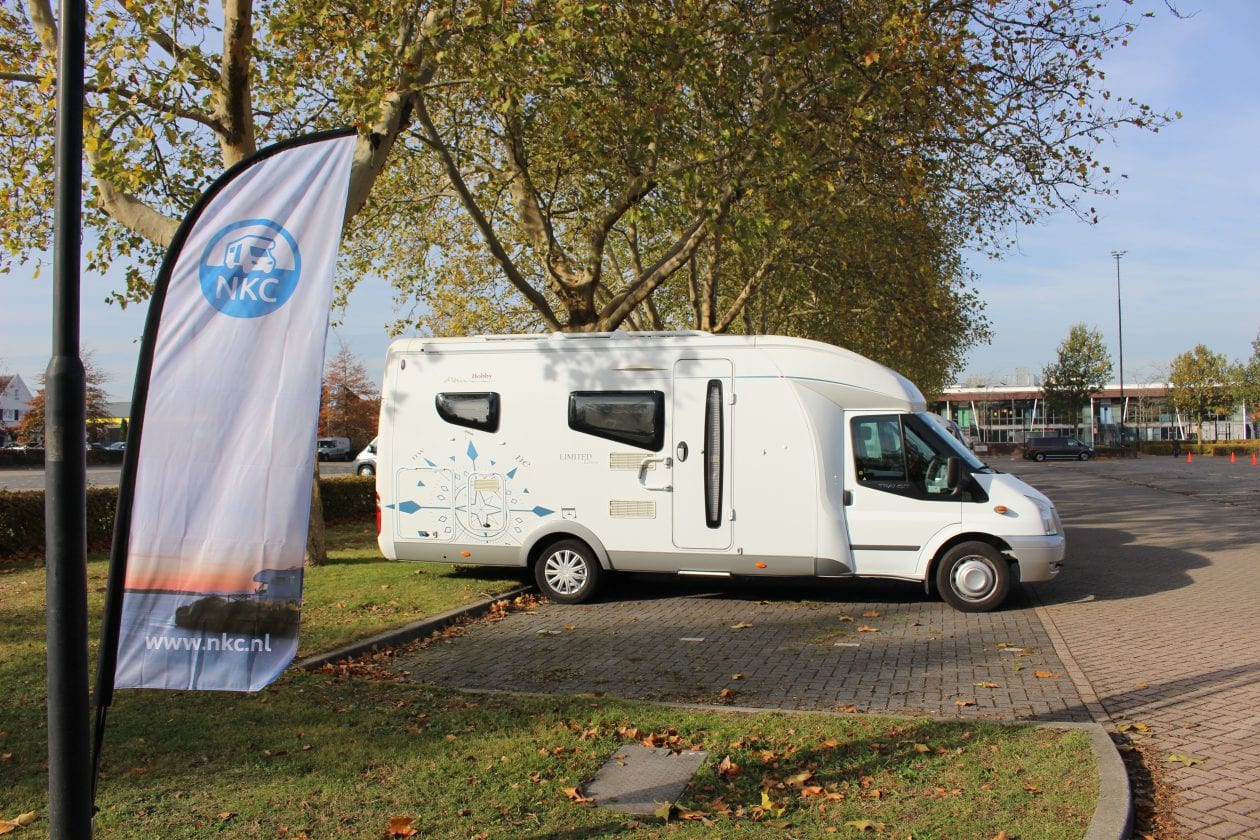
<point x="629" y="461"/>
<point x="627" y="509"/>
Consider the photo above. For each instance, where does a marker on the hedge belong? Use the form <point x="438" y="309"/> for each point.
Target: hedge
<point x="1239" y="448"/>
<point x="22" y="512"/>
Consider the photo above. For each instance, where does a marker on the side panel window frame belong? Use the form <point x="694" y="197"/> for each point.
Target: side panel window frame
<point x="474" y="410"/>
<point x="649" y="406"/>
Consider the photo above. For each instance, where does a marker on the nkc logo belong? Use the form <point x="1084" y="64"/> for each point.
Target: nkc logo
<point x="250" y="268"/>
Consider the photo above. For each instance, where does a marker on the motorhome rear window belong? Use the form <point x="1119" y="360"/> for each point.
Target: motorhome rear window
<point x="636" y="418"/>
<point x="476" y="411"/>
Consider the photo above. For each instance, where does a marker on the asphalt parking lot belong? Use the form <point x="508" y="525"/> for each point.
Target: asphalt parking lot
<point x="1155" y="621"/>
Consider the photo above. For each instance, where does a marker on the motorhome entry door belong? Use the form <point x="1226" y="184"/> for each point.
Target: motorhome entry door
<point x="701" y="416"/>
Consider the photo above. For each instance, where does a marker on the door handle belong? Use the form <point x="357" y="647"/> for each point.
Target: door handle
<point x="667" y="462"/>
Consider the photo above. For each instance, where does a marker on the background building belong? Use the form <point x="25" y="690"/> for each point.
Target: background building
<point x="15" y="400"/>
<point x="1013" y="413"/>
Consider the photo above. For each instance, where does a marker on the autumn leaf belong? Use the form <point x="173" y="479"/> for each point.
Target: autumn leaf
<point x="738" y="676"/>
<point x="400" y="827"/>
<point x="962" y="703"/>
<point x="575" y="796"/>
<point x="1045" y="675"/>
<point x="800" y="779"/>
<point x="743" y="625"/>
<point x="922" y="748"/>
<point x="20" y="821"/>
<point x="769" y="806"/>
<point x="846" y="618"/>
<point x="1133" y="727"/>
<point x="865" y="825"/>
<point x="727" y="693"/>
<point x="871" y="614"/>
<point x="694" y="816"/>
<point x="727" y="768"/>
<point x="987" y="685"/>
<point x="665" y="811"/>
<point x="865" y="629"/>
<point x="1187" y="760"/>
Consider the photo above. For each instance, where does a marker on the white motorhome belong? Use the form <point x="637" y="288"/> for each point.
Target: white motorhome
<point x="575" y="455"/>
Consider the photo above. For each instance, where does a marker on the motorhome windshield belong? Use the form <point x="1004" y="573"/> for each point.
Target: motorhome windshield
<point x="952" y="444"/>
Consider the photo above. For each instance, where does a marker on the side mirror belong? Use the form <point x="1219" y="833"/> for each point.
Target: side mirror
<point x="953" y="473"/>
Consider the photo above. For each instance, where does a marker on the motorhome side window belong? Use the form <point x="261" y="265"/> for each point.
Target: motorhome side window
<point x="476" y="411"/>
<point x="892" y="456"/>
<point x="636" y="418"/>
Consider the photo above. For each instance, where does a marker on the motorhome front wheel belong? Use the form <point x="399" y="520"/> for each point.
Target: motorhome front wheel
<point x="567" y="572"/>
<point x="973" y="577"/>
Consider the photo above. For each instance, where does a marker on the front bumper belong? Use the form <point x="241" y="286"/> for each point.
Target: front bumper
<point x="1039" y="558"/>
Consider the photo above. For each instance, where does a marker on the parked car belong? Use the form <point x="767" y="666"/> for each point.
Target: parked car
<point x="120" y="446"/>
<point x="1039" y="449"/>
<point x="365" y="464"/>
<point x="333" y="449"/>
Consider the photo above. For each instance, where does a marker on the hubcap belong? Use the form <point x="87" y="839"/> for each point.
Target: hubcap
<point x="565" y="572"/>
<point x="974" y="579"/>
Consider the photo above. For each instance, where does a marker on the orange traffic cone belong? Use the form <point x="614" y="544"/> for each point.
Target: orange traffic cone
<point x="1253" y="459"/>
<point x="1231" y="457"/>
<point x="1189" y="457"/>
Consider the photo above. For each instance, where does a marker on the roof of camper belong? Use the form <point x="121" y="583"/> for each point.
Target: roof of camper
<point x="845" y="377"/>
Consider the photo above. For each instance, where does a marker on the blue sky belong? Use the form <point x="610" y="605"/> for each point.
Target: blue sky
<point x="1186" y="214"/>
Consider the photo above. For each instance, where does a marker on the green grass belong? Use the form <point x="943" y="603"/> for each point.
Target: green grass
<point x="339" y="754"/>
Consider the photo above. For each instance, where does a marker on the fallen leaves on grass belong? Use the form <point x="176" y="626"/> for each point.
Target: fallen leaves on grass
<point x="865" y="825"/>
<point x="20" y="821"/>
<point x="400" y="827"/>
<point x="575" y="795"/>
<point x="727" y="768"/>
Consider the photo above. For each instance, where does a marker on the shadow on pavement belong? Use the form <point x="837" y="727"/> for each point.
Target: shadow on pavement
<point x="1109" y="564"/>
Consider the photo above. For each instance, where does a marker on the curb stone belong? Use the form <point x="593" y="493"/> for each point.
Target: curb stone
<point x="409" y="632"/>
<point x="1113" y="815"/>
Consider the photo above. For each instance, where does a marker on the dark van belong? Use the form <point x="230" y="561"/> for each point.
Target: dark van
<point x="1039" y="449"/>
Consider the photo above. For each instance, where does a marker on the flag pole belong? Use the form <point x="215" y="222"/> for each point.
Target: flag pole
<point x="65" y="476"/>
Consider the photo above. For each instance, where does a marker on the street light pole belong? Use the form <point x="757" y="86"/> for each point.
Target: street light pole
<point x="1120" y="335"/>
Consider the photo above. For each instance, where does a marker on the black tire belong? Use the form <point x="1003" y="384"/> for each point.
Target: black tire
<point x="973" y="577"/>
<point x="1040" y="456"/>
<point x="367" y="469"/>
<point x="1084" y="456"/>
<point x="567" y="572"/>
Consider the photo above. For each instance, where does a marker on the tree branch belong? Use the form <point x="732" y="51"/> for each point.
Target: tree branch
<point x="434" y="141"/>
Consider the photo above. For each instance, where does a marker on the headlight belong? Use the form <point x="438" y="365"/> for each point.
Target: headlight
<point x="1049" y="516"/>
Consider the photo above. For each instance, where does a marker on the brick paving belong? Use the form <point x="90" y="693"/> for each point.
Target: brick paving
<point x="1156" y="621"/>
<point x="1160" y="609"/>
